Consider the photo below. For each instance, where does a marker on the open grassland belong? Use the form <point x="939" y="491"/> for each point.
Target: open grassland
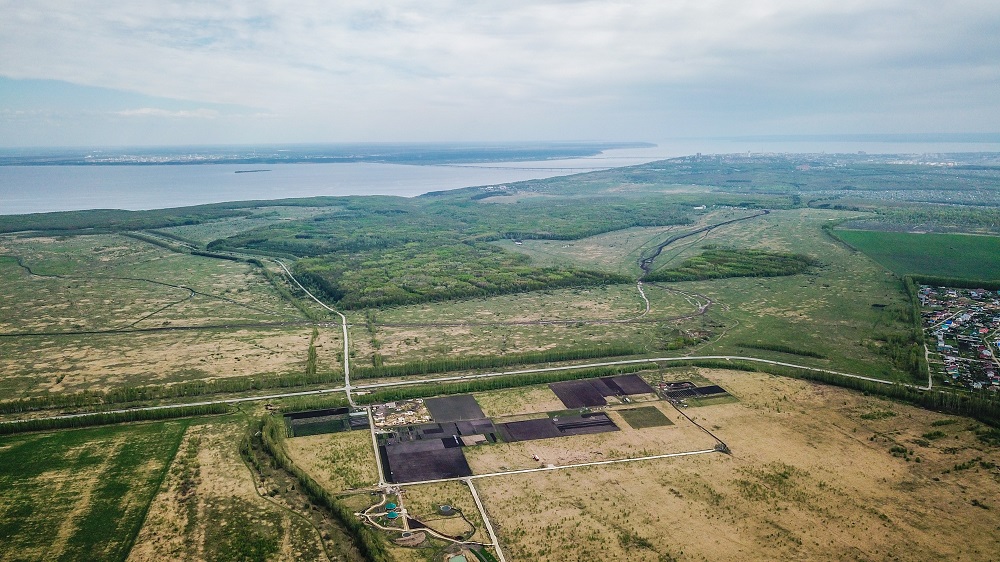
<point x="209" y="509"/>
<point x="840" y="314"/>
<point x="813" y="475"/>
<point x="940" y="255"/>
<point x="402" y="345"/>
<point x="585" y="317"/>
<point x="338" y="461"/>
<point x="108" y="282"/>
<point x="618" y="251"/>
<point x="101" y="312"/>
<point x="83" y="494"/>
<point x="231" y="226"/>
<point x="843" y="309"/>
<point x="73" y="363"/>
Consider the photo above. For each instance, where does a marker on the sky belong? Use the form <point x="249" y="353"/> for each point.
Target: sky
<point x="162" y="72"/>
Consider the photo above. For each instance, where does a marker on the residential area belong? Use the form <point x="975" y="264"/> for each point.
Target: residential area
<point x="963" y="327"/>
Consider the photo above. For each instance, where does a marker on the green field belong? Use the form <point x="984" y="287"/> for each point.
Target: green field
<point x="646" y="416"/>
<point x="80" y="495"/>
<point x="940" y="255"/>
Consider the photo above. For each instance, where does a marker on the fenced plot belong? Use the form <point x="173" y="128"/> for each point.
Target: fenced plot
<point x="454" y="408"/>
<point x="646" y="416"/>
<point x="557" y="426"/>
<point x="424" y="460"/>
<point x="592" y="392"/>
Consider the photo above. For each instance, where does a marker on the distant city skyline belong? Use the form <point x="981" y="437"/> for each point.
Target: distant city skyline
<point x="148" y="73"/>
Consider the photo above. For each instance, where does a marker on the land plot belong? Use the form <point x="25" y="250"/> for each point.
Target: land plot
<point x="208" y="508"/>
<point x="572" y="449"/>
<point x="522" y="400"/>
<point x="454" y="408"/>
<point x="646" y="416"/>
<point x="812" y="477"/>
<point x="73" y="363"/>
<point x="80" y="495"/>
<point x="338" y="461"/>
<point x="609" y="302"/>
<point x="628" y="384"/>
<point x="592" y="392"/>
<point x="416" y="461"/>
<point x="528" y="430"/>
<point x="413" y="344"/>
<point x="694" y="391"/>
<point x="579" y="394"/>
<point x="943" y="255"/>
<point x="423" y="501"/>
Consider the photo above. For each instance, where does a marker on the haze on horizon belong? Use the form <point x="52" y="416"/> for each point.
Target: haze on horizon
<point x="153" y="72"/>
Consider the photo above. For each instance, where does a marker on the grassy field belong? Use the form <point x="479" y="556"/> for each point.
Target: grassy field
<point x="809" y="478"/>
<point x="80" y="495"/>
<point x="209" y="508"/>
<point x="112" y="282"/>
<point x="942" y="255"/>
<point x="105" y="311"/>
<point x="828" y="311"/>
<point x="339" y="461"/>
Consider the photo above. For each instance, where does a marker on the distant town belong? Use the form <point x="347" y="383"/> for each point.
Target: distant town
<point x="963" y="325"/>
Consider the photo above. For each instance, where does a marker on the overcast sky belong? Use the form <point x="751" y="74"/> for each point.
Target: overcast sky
<point x="91" y="72"/>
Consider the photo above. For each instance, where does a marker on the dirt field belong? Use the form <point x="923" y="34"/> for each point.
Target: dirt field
<point x="208" y="509"/>
<point x="339" y="461"/>
<point x="812" y="476"/>
<point x="99" y="362"/>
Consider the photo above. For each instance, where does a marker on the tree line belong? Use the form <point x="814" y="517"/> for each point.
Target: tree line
<point x="107" y="418"/>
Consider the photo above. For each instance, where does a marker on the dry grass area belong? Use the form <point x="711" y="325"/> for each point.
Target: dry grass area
<point x="811" y="477"/>
<point x="401" y="345"/>
<point x="422" y="501"/>
<point x="626" y="443"/>
<point x="339" y="461"/>
<point x="209" y="509"/>
<point x="104" y="361"/>
<point x="113" y="282"/>
<point x="521" y="400"/>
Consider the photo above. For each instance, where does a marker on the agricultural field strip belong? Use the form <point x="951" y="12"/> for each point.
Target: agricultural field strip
<point x="479" y="376"/>
<point x="486" y="520"/>
<point x="343" y="324"/>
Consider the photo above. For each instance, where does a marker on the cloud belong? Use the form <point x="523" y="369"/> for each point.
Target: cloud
<point x="529" y="69"/>
<point x="156" y="112"/>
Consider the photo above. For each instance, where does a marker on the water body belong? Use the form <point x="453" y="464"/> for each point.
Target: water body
<point x="36" y="189"/>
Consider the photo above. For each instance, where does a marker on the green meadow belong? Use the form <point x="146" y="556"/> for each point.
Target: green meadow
<point x="940" y="255"/>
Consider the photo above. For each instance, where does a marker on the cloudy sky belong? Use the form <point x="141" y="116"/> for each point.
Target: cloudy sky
<point x="93" y="72"/>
